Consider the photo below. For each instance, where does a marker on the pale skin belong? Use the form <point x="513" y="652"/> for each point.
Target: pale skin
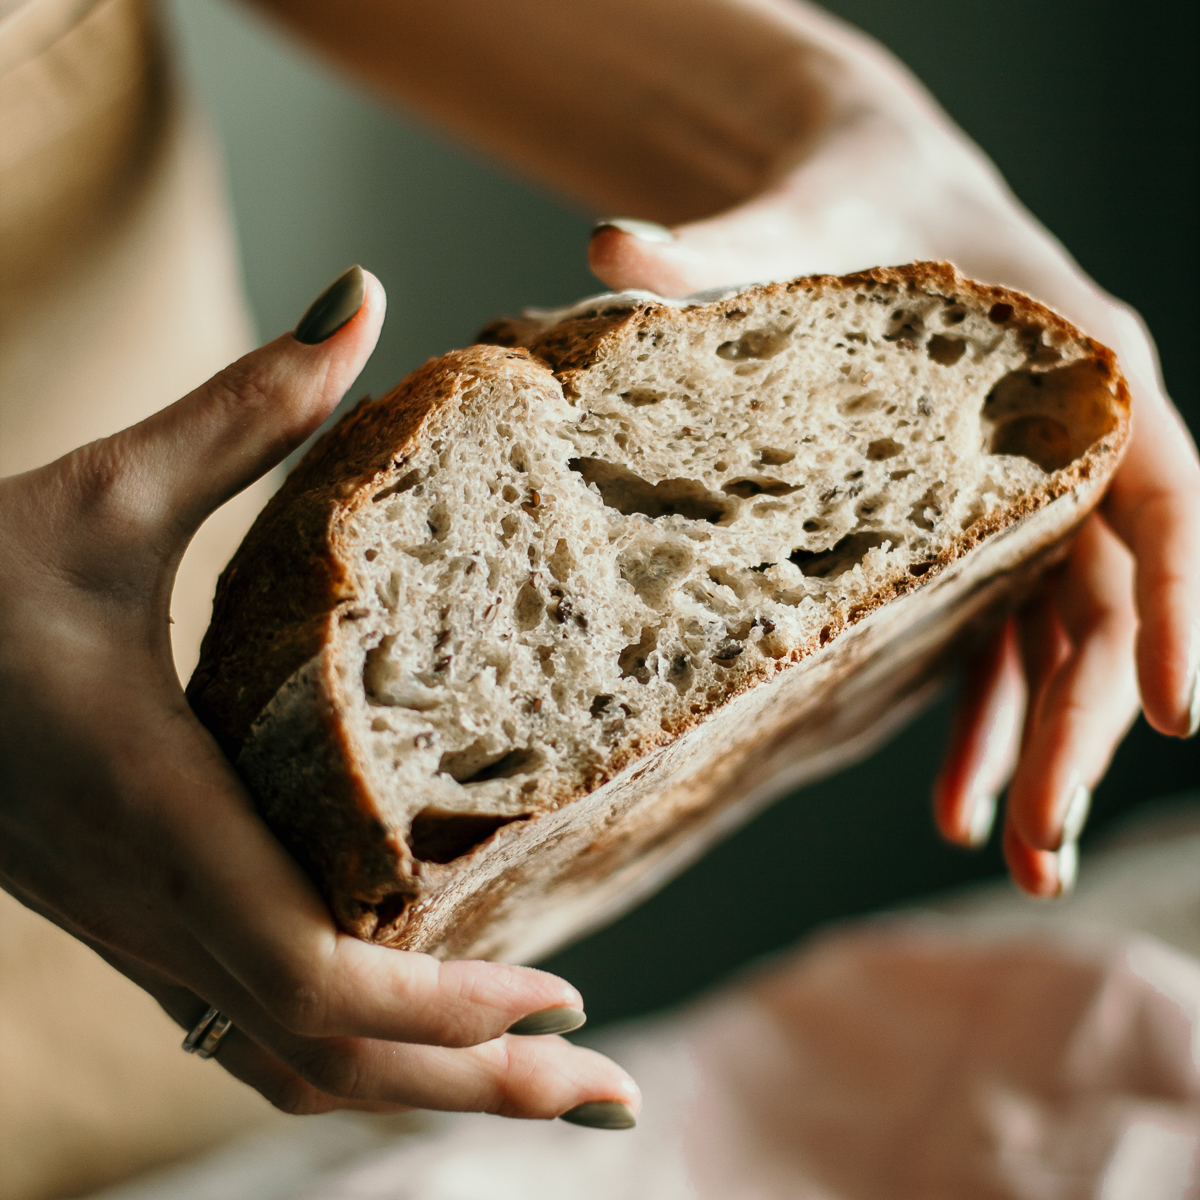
<point x="817" y="152"/>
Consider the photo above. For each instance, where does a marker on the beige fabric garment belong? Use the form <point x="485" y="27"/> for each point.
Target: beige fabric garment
<point x="119" y="293"/>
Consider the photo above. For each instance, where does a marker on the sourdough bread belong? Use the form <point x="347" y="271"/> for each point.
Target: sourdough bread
<point x="514" y="643"/>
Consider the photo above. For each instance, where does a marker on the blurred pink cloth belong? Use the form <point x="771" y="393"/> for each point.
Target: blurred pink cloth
<point x="908" y="1060"/>
<point x="986" y="1048"/>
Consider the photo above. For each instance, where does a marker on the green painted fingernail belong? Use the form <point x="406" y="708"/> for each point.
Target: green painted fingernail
<point x="1067" y="861"/>
<point x="549" y="1020"/>
<point x="601" y="1114"/>
<point x="983" y="817"/>
<point x="333" y="308"/>
<point x="1076" y="813"/>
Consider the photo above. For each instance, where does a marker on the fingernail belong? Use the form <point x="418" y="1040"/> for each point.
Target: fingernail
<point x="1194" y="705"/>
<point x="983" y="817"/>
<point x="1076" y="813"/>
<point x="332" y="309"/>
<point x="601" y="1114"/>
<point x="550" y="1020"/>
<point x="1067" y="865"/>
<point x="644" y="231"/>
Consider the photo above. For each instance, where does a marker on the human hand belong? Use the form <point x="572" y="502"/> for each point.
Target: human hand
<point x="121" y="821"/>
<point x="887" y="178"/>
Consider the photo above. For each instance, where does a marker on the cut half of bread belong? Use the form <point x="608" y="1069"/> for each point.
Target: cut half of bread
<point x="515" y="642"/>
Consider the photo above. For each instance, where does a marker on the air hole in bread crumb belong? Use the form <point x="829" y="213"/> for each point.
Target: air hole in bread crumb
<point x="905" y="329"/>
<point x="476" y="765"/>
<point x="680" y="674"/>
<point x="842" y="556"/>
<point x="387" y="683"/>
<point x="653" y="569"/>
<point x="528" y="608"/>
<point x="773" y="648"/>
<point x="633" y="659"/>
<point x="1043" y="440"/>
<point x="883" y="448"/>
<point x="1049" y="417"/>
<point x="628" y="493"/>
<point x="639" y="397"/>
<point x="403" y="484"/>
<point x="755" y="343"/>
<point x="561" y="561"/>
<point x="770" y="456"/>
<point x="438" y="836"/>
<point x="766" y="509"/>
<point x="945" y="351"/>
<point x="928" y="503"/>
<point x="727" y="576"/>
<point x="860" y="405"/>
<point x="439" y="522"/>
<point x="763" y="485"/>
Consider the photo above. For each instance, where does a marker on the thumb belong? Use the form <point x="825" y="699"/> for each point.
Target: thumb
<point x="182" y="463"/>
<point x="751" y="243"/>
<point x="864" y="198"/>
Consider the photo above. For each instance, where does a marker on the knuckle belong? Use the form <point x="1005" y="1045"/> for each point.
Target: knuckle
<point x="101" y="478"/>
<point x="238" y="388"/>
<point x="297" y="1002"/>
<point x="475" y="1002"/>
<point x="334" y="1069"/>
<point x="97" y="469"/>
<point x="519" y="1088"/>
<point x="298" y="1098"/>
<point x="1077" y="712"/>
<point x="459" y="1026"/>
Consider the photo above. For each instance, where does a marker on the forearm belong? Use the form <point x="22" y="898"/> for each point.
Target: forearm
<point x="669" y="110"/>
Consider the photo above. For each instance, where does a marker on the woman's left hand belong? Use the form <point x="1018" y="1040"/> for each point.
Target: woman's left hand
<point x="890" y="179"/>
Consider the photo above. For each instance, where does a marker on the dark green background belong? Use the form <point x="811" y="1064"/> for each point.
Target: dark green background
<point x="1091" y="113"/>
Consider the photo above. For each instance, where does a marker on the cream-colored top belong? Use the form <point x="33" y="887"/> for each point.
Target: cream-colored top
<point x="119" y="287"/>
<point x="119" y="292"/>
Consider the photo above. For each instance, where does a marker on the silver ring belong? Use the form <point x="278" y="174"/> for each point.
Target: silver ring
<point x="205" y="1036"/>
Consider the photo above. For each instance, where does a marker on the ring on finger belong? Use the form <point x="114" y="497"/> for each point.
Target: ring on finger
<point x="205" y="1036"/>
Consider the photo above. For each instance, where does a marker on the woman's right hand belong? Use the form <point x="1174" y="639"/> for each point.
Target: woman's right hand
<point x="121" y="821"/>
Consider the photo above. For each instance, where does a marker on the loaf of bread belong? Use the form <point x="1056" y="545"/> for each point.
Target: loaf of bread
<point x="516" y="642"/>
